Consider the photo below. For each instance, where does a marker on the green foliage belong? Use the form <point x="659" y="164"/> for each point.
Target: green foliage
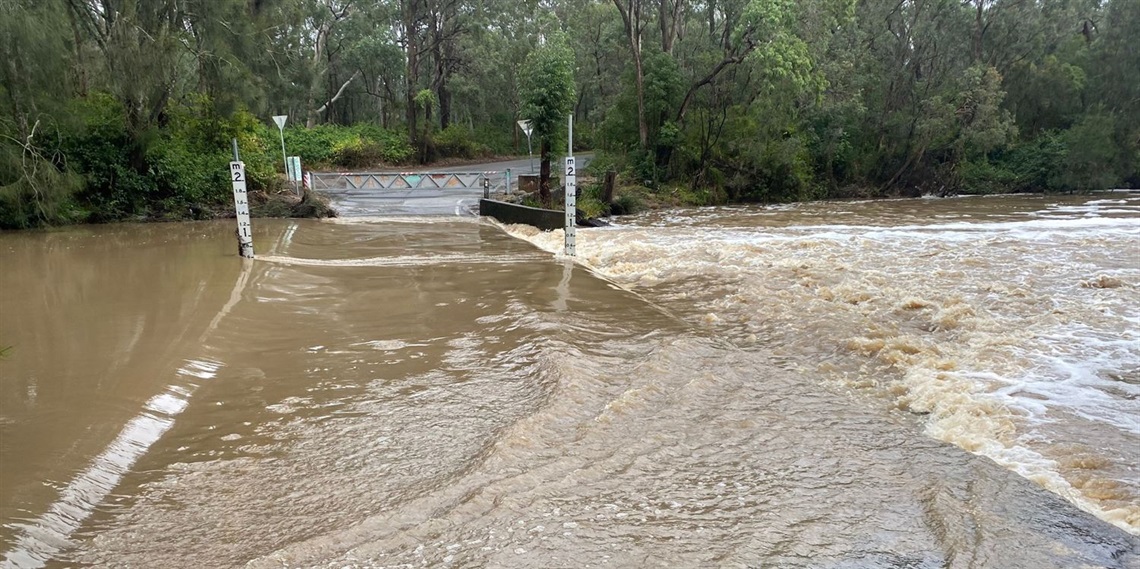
<point x="357" y="152"/>
<point x="498" y="140"/>
<point x="188" y="163"/>
<point x="985" y="177"/>
<point x="36" y="192"/>
<point x="426" y="100"/>
<point x="983" y="125"/>
<point x="120" y="109"/>
<point x="664" y="87"/>
<point x="359" y="146"/>
<point x="456" y="141"/>
<point x="187" y="181"/>
<point x="1091" y="160"/>
<point x="603" y="162"/>
<point x="627" y="204"/>
<point x="110" y="158"/>
<point x="592" y="207"/>
<point x="546" y="87"/>
<point x="1038" y="164"/>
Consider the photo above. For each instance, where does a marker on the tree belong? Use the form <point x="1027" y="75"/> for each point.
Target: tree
<point x="547" y="93"/>
<point x="635" y="20"/>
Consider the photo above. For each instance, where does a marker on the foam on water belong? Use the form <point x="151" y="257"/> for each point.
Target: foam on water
<point x="402" y="260"/>
<point x="1016" y="338"/>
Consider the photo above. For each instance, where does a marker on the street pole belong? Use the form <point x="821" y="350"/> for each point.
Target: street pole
<point x="524" y="124"/>
<point x="530" y="153"/>
<point x="280" y="120"/>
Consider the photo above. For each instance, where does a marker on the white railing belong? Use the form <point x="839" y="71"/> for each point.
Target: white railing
<point x="348" y="181"/>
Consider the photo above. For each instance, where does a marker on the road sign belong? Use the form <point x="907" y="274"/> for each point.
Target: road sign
<point x="527" y="129"/>
<point x="241" y="206"/>
<point x="280" y="120"/>
<point x="571" y="205"/>
<point x="294" y="164"/>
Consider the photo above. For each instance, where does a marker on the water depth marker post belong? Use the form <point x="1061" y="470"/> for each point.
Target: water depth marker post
<point x="241" y="205"/>
<point x="571" y="205"/>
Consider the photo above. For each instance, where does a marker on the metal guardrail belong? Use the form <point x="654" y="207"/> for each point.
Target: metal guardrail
<point x="347" y="181"/>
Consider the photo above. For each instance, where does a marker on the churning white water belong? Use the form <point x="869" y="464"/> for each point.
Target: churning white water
<point x="1010" y="324"/>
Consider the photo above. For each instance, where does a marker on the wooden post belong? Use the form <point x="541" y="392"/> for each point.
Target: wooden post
<point x="608" y="187"/>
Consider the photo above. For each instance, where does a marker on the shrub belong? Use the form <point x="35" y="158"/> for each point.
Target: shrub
<point x="110" y="159"/>
<point x="314" y="145"/>
<point x="457" y="142"/>
<point x="358" y="146"/>
<point x="985" y="177"/>
<point x="39" y="193"/>
<point x="357" y="152"/>
<point x="500" y="140"/>
<point x="592" y="207"/>
<point x="626" y="204"/>
<point x="188" y="183"/>
<point x="395" y="147"/>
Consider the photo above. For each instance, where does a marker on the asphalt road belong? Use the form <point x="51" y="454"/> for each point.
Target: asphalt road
<point x="433" y="201"/>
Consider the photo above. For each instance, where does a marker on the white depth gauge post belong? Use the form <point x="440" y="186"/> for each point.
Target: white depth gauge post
<point x="241" y="205"/>
<point x="571" y="204"/>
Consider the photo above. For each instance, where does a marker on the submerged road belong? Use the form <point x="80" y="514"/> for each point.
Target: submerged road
<point x="431" y="201"/>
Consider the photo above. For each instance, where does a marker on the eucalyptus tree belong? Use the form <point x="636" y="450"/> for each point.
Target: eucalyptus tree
<point x="547" y="95"/>
<point x="35" y="180"/>
<point x="635" y="18"/>
<point x="321" y="22"/>
<point x="142" y="51"/>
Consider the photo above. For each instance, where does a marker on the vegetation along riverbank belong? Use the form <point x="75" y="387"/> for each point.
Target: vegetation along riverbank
<point x="123" y="110"/>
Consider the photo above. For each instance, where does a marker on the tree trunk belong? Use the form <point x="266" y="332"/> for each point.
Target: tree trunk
<point x="80" y="66"/>
<point x="979" y="30"/>
<point x="444" y="105"/>
<point x="670" y="19"/>
<point x="631" y="18"/>
<point x="544" y="173"/>
<point x="317" y="61"/>
<point x="335" y="98"/>
<point x="410" y="93"/>
<point x="410" y="15"/>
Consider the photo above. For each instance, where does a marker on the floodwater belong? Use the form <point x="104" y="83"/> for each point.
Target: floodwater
<point x="915" y="383"/>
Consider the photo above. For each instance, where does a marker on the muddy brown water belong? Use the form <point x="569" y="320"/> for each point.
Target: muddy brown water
<point x="726" y="387"/>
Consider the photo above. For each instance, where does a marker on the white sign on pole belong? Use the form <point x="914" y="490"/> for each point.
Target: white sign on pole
<point x="241" y="205"/>
<point x="294" y="164"/>
<point x="280" y="120"/>
<point x="571" y="205"/>
<point x="527" y="129"/>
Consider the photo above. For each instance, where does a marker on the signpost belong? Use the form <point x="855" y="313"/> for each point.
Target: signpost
<point x="526" y="128"/>
<point x="571" y="204"/>
<point x="294" y="172"/>
<point x="241" y="205"/>
<point x="280" y="120"/>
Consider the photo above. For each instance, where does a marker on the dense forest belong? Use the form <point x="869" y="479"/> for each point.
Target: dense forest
<point x="124" y="109"/>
